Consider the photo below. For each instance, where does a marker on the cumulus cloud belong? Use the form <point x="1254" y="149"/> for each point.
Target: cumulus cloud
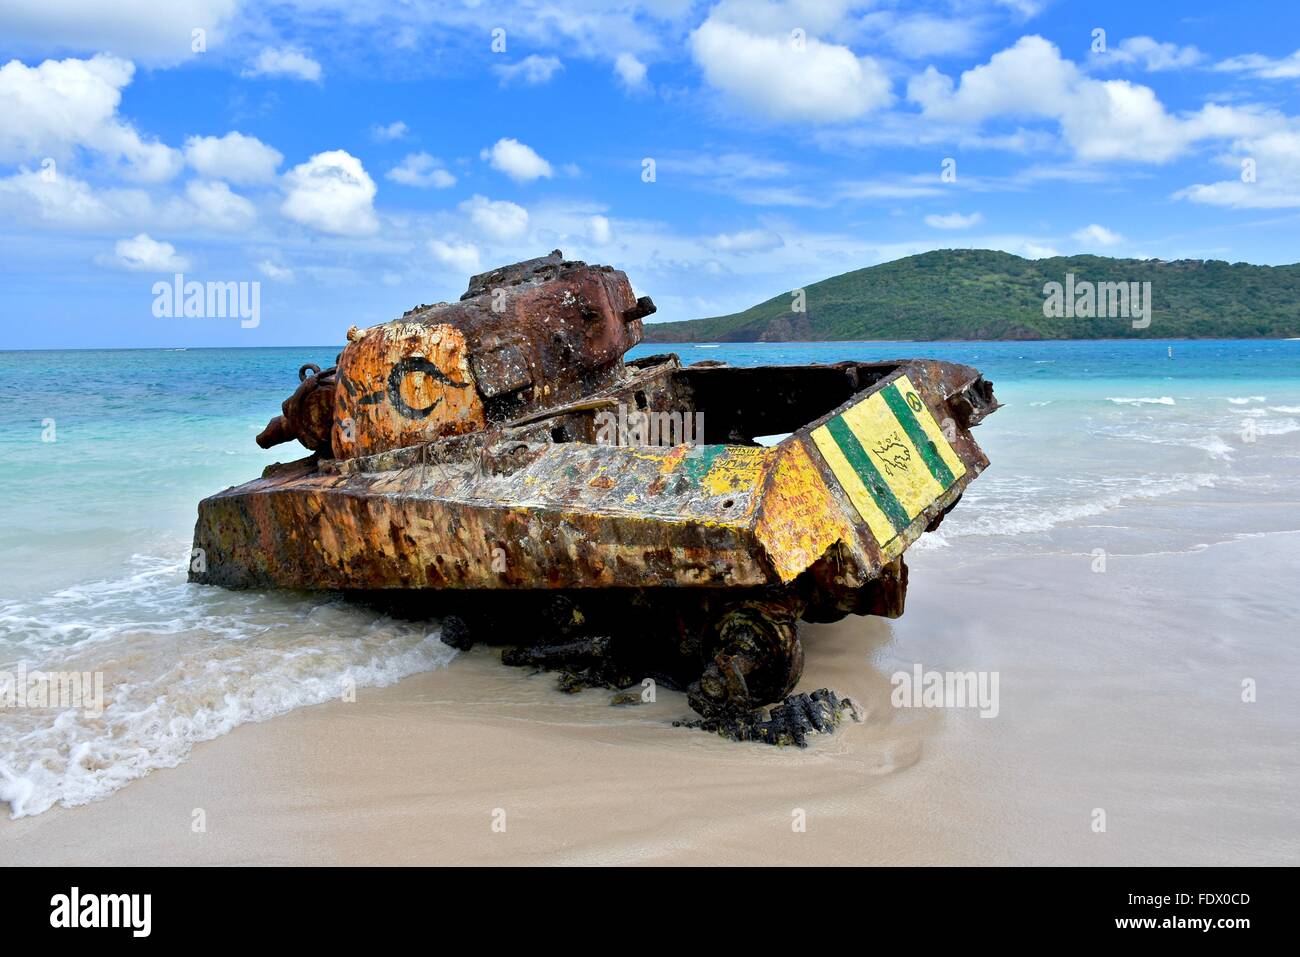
<point x="286" y="62"/>
<point x="463" y="258"/>
<point x="1099" y="119"/>
<point x="421" y="170"/>
<point x="1027" y="79"/>
<point x="387" y="133"/>
<point x="60" y="105"/>
<point x="1148" y="54"/>
<point x="952" y="221"/>
<point x="233" y="157"/>
<point x="517" y="160"/>
<point x="1267" y="176"/>
<point x="497" y="219"/>
<point x="1034" y="250"/>
<point x="64" y="200"/>
<point x="216" y="206"/>
<point x="142" y="253"/>
<point x="1097" y="235"/>
<point x="786" y="78"/>
<point x="630" y="70"/>
<point x="333" y="193"/>
<point x="532" y="70"/>
<point x="144" y="30"/>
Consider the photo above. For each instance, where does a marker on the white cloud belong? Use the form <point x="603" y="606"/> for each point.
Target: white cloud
<point x="1027" y="79"/>
<point x="773" y="77"/>
<point x="953" y="221"/>
<point x="393" y="131"/>
<point x="1100" y="120"/>
<point x="331" y="192"/>
<point x="1148" y="54"/>
<point x="630" y="70"/>
<point x="1097" y="235"/>
<point x="216" y="206"/>
<point x="1263" y="67"/>
<point x="144" y="254"/>
<point x="463" y="258"/>
<point x="274" y="271"/>
<point x="60" y="200"/>
<point x="53" y="108"/>
<point x="285" y="62"/>
<point x="746" y="241"/>
<point x="421" y="170"/>
<point x="532" y="70"/>
<point x="497" y="219"/>
<point x="910" y="188"/>
<point x="599" y="230"/>
<point x="233" y="157"/>
<point x="517" y="160"/>
<point x="924" y="35"/>
<point x="1033" y="250"/>
<point x="141" y="29"/>
<point x="1267" y="174"/>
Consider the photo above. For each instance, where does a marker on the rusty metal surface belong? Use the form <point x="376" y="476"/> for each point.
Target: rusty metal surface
<point x="523" y="338"/>
<point x="501" y="444"/>
<point x="516" y="514"/>
<point x="307" y="415"/>
<point x="403" y="383"/>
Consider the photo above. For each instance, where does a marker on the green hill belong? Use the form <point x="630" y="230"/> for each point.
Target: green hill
<point x="982" y="294"/>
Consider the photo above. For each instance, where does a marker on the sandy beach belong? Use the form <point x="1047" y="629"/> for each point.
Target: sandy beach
<point x="1132" y="707"/>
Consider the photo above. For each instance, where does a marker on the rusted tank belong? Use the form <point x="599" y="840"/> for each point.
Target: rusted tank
<point x="497" y="462"/>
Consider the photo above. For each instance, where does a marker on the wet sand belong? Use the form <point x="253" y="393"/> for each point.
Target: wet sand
<point x="1119" y="691"/>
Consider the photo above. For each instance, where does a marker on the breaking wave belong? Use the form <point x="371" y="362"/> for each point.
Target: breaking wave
<point x="1143" y="400"/>
<point x="1003" y="512"/>
<point x="181" y="664"/>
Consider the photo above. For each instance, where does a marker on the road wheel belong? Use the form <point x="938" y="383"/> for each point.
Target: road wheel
<point x="755" y="658"/>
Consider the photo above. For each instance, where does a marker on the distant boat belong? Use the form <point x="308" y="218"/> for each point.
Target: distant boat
<point x="1171" y="352"/>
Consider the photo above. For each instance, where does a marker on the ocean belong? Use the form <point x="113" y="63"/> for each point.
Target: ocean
<point x="1117" y="448"/>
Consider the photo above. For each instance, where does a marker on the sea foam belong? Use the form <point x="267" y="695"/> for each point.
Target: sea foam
<point x="182" y="664"/>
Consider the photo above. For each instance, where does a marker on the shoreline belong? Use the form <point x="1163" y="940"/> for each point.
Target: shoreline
<point x="413" y="773"/>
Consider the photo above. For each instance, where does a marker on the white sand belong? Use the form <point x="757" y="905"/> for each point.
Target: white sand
<point x="1118" y="691"/>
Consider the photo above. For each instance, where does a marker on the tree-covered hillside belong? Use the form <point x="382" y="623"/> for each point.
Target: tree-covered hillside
<point x="982" y="294"/>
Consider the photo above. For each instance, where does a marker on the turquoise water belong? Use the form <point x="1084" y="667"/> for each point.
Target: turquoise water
<point x="1163" y="454"/>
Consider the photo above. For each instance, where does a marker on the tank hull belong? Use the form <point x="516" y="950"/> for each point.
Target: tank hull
<point x="549" y="505"/>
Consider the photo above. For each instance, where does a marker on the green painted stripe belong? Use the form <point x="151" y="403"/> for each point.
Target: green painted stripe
<point x="907" y="419"/>
<point x="871" y="478"/>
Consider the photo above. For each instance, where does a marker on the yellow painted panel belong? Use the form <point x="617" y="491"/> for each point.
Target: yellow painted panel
<point x="892" y="452"/>
<point x="857" y="492"/>
<point x="800" y="518"/>
<point x="946" y="452"/>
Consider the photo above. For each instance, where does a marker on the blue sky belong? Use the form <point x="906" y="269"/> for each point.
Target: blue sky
<point x="359" y="159"/>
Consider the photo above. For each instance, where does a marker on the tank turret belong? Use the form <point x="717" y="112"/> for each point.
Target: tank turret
<point x="522" y="339"/>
